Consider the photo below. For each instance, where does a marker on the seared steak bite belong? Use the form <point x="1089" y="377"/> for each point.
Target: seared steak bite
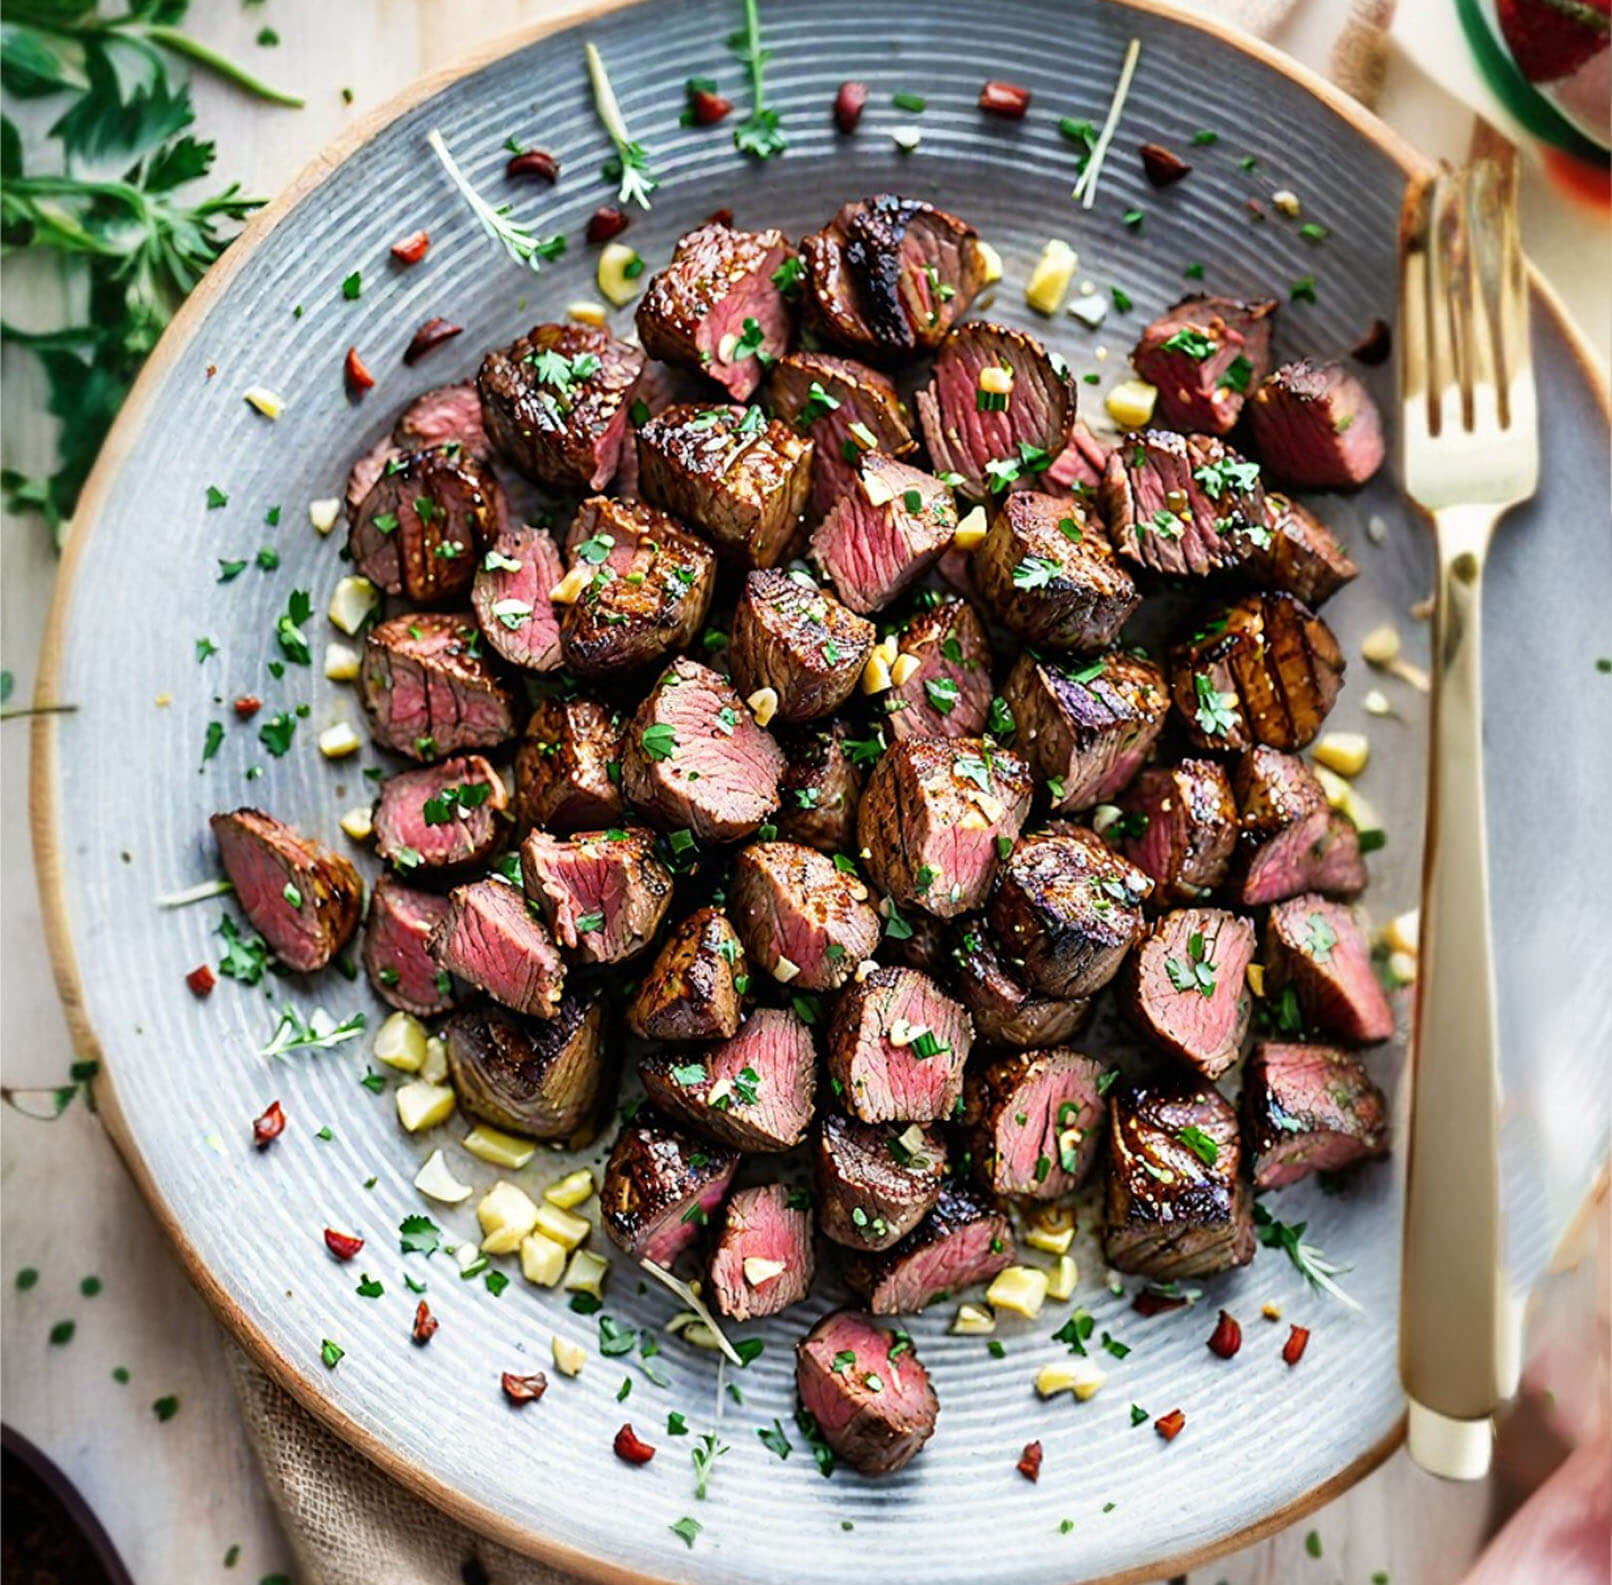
<point x="896" y="1047"/>
<point x="428" y="690"/>
<point x="1033" y="1122"/>
<point x="798" y="640"/>
<point x="839" y="403"/>
<point x="1204" y="356"/>
<point x="865" y="1391"/>
<point x="1178" y="1204"/>
<point x="715" y="308"/>
<point x="753" y="1092"/>
<point x="1066" y="909"/>
<point x="1006" y="1012"/>
<point x="542" y="1080"/>
<point x="1317" y="427"/>
<point x="1184" y="987"/>
<point x="1302" y="557"/>
<point x="302" y="898"/>
<point x="1179" y="825"/>
<point x="935" y="816"/>
<point x="441" y="817"/>
<point x="887" y="529"/>
<point x="695" y="758"/>
<point x="1048" y="573"/>
<point x="1317" y="947"/>
<point x="889" y="276"/>
<point x="820" y="790"/>
<point x="802" y="919"/>
<point x="762" y="1261"/>
<point x="489" y="937"/>
<point x="1289" y="841"/>
<point x="511" y="598"/>
<point x="396" y="958"/>
<point x="449" y="415"/>
<point x="555" y="403"/>
<point x="731" y="472"/>
<point x="949" y="693"/>
<point x="1088" y="726"/>
<point x="874" y="1182"/>
<point x="695" y="989"/>
<point x="963" y="1240"/>
<point x="987" y="435"/>
<point x="661" y="1186"/>
<point x="568" y="766"/>
<point x="1265" y="670"/>
<point x="649" y="588"/>
<point x="1309" y="1109"/>
<point x="603" y="893"/>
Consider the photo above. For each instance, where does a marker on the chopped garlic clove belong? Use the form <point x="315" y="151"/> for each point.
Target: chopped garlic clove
<point x="352" y="602"/>
<point x="323" y="513"/>
<point x="1255" y="975"/>
<point x="973" y="1320"/>
<point x="436" y="1182"/>
<point x="1130" y="404"/>
<point x="506" y="1215"/>
<point x="499" y="1149"/>
<point x="571" y="1190"/>
<point x="1019" y="1289"/>
<point x="1090" y="309"/>
<point x="339" y="741"/>
<point x="586" y="1273"/>
<point x="1063" y="1277"/>
<point x="763" y="705"/>
<point x="1286" y="202"/>
<point x="400" y="1042"/>
<point x="971" y="530"/>
<point x="1082" y="1377"/>
<point x="1380" y="646"/>
<point x="1049" y="281"/>
<point x="421" y="1106"/>
<point x="269" y="403"/>
<point x="434" y="1070"/>
<point x="876" y="675"/>
<point x="784" y="970"/>
<point x="906" y="138"/>
<point x="1103" y="816"/>
<point x="990" y="260"/>
<point x="341" y="662"/>
<point x="359" y="823"/>
<point x="595" y="314"/>
<point x="559" y="1224"/>
<point x="620" y="271"/>
<point x="1343" y="752"/>
<point x="758" y="1272"/>
<point x="569" y="1357"/>
<point x="569" y="589"/>
<point x="902" y="671"/>
<point x="1376" y="702"/>
<point x="1403" y="933"/>
<point x="542" y="1260"/>
<point x="1050" y="1240"/>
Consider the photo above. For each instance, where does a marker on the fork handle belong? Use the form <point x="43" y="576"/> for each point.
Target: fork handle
<point x="1451" y="1307"/>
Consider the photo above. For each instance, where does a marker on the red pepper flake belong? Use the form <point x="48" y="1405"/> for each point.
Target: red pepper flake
<point x="412" y="248"/>
<point x="1163" y="167"/>
<point x="706" y="108"/>
<point x="605" y="223"/>
<point x="534" y="163"/>
<point x="1148" y="1303"/>
<point x="1227" y="1337"/>
<point x="1029" y="1464"/>
<point x="524" y="1389"/>
<point x="1298" y="1338"/>
<point x="358" y="378"/>
<point x="1256" y="210"/>
<point x="849" y="103"/>
<point x="1005" y="99"/>
<point x="342" y="1245"/>
<point x="1375" y="345"/>
<point x="1169" y="1425"/>
<point x="629" y="1449"/>
<point x="248" y="706"/>
<point x="269" y="1126"/>
<point x="431" y="334"/>
<point x="201" y="981"/>
<point x="425" y="1324"/>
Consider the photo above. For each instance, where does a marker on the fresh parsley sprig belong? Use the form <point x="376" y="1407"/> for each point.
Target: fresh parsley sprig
<point x="630" y="165"/>
<point x="318" y="1032"/>
<point x="760" y="135"/>
<point x="521" y="244"/>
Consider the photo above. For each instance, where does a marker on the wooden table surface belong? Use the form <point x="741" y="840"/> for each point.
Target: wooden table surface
<point x="178" y="1495"/>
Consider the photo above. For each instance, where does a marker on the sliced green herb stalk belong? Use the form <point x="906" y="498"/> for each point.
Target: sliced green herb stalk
<point x="759" y="135"/>
<point x="629" y="166"/>
<point x="521" y="244"/>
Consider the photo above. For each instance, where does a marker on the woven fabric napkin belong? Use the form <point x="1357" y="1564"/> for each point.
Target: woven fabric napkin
<point x="347" y="1523"/>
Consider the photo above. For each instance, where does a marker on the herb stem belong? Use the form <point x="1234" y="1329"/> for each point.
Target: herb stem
<point x="22" y="711"/>
<point x="523" y="246"/>
<point x="171" y="38"/>
<point x="1085" y="187"/>
<point x="636" y="181"/>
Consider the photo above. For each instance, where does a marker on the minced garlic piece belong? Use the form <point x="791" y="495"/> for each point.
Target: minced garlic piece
<point x="434" y="1070"/>
<point x="973" y="1320"/>
<point x="324" y="512"/>
<point x="436" y="1182"/>
<point x="906" y="138"/>
<point x="903" y="669"/>
<point x="571" y="1190"/>
<point x="1403" y="932"/>
<point x="542" y="1260"/>
<point x="595" y="314"/>
<point x="1020" y="1289"/>
<point x="400" y="1042"/>
<point x="569" y="1357"/>
<point x="991" y="260"/>
<point x="617" y="275"/>
<point x="1049" y="281"/>
<point x="763" y="705"/>
<point x="351" y="603"/>
<point x="1271" y="1310"/>
<point x="1082" y="1377"/>
<point x="569" y="589"/>
<point x="758" y="1271"/>
<point x="586" y="1273"/>
<point x="267" y="402"/>
<point x="342" y="662"/>
<point x="506" y="1214"/>
<point x="1130" y="404"/>
<point x="785" y="970"/>
<point x="359" y="823"/>
<point x="1255" y="975"/>
<point x="340" y="740"/>
<point x="1376" y="702"/>
<point x="876" y="674"/>
<point x="1050" y="1240"/>
<point x="1062" y="1278"/>
<point x="1286" y="202"/>
<point x="971" y="530"/>
<point x="1344" y="752"/>
<point x="1380" y="646"/>
<point x="996" y="380"/>
<point x="421" y="1106"/>
<point x="494" y="1146"/>
<point x="560" y="1225"/>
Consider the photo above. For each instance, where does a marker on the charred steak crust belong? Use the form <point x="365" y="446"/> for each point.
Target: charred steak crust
<point x="1179" y="825"/>
<point x="1303" y="557"/>
<point x="396" y="959"/>
<point x="762" y="1261"/>
<point x="820" y="790"/>
<point x="693" y="991"/>
<point x="865" y="1391"/>
<point x="874" y="1182"/>
<point x="1317" y="427"/>
<point x="660" y="1187"/>
<point x="1309" y="1109"/>
<point x="1033" y="1121"/>
<point x="1204" y="356"/>
<point x="1006" y="1012"/>
<point x="963" y="1240"/>
<point x="795" y="638"/>
<point x="602" y="893"/>
<point x="1185" y="989"/>
<point x="563" y="767"/>
<point x="804" y="920"/>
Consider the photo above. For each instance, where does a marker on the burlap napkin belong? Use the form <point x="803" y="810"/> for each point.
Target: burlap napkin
<point x="347" y="1523"/>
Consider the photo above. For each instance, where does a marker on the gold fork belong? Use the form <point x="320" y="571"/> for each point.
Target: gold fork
<point x="1471" y="451"/>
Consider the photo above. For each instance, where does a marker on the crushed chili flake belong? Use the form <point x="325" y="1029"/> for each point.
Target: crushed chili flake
<point x="1005" y="99"/>
<point x="535" y="163"/>
<point x="524" y="1389"/>
<point x="342" y="1245"/>
<point x="1298" y="1338"/>
<point x="605" y="223"/>
<point x="849" y="104"/>
<point x="1227" y="1337"/>
<point x="1255" y="208"/>
<point x="269" y="1126"/>
<point x="705" y="108"/>
<point x="629" y="1449"/>
<point x="412" y="248"/>
<point x="1148" y="1303"/>
<point x="358" y="378"/>
<point x="1375" y="345"/>
<point x="1169" y="1425"/>
<point x="431" y="334"/>
<point x="1029" y="1464"/>
<point x="248" y="706"/>
<point x="425" y="1324"/>
<point x="1163" y="167"/>
<point x="201" y="981"/>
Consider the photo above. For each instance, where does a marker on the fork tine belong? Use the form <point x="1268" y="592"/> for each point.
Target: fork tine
<point x="1512" y="309"/>
<point x="1480" y="291"/>
<point x="1447" y="306"/>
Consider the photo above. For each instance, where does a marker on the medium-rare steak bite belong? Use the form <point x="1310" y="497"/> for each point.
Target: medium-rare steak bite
<point x="820" y="790"/>
<point x="428" y="689"/>
<point x="1265" y="670"/>
<point x="1006" y="1012"/>
<point x="1179" y="825"/>
<point x="753" y="1092"/>
<point x="301" y="897"/>
<point x="884" y="532"/>
<point x="963" y="1240"/>
<point x="949" y="692"/>
<point x="441" y="817"/>
<point x="935" y="817"/>
<point x="694" y="757"/>
<point x="695" y="990"/>
<point x="716" y="309"/>
<point x="649" y="588"/>
<point x="1288" y="840"/>
<point x="1047" y="572"/>
<point x="398" y="962"/>
<point x="1080" y="466"/>
<point x="734" y="474"/>
<point x="839" y="404"/>
<point x="1317" y="427"/>
<point x="1033" y="1121"/>
<point x="510" y="597"/>
<point x="1185" y="989"/>
<point x="795" y="638"/>
<point x="602" y="893"/>
<point x="874" y="1182"/>
<point x="866" y="1392"/>
<point x="448" y="415"/>
<point x="987" y="435"/>
<point x="490" y="937"/>
<point x="802" y="919"/>
<point x="1066" y="909"/>
<point x="1088" y="726"/>
<point x="1309" y="1109"/>
<point x="762" y="1261"/>
<point x="568" y="766"/>
<point x="544" y="1080"/>
<point x="1302" y="557"/>
<point x="555" y="403"/>
<point x="889" y="276"/>
<point x="1178" y="1203"/>
<point x="896" y="1047"/>
<point x="1318" y="948"/>
<point x="661" y="1186"/>
<point x="1205" y="355"/>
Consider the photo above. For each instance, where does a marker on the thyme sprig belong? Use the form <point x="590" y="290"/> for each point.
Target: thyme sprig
<point x="630" y="166"/>
<point x="521" y="244"/>
<point x="1312" y="1263"/>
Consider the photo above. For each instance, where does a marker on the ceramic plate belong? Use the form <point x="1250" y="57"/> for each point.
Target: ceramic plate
<point x="123" y="798"/>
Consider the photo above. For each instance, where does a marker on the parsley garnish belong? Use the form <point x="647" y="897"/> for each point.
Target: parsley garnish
<point x="1199" y="1143"/>
<point x="760" y="135"/>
